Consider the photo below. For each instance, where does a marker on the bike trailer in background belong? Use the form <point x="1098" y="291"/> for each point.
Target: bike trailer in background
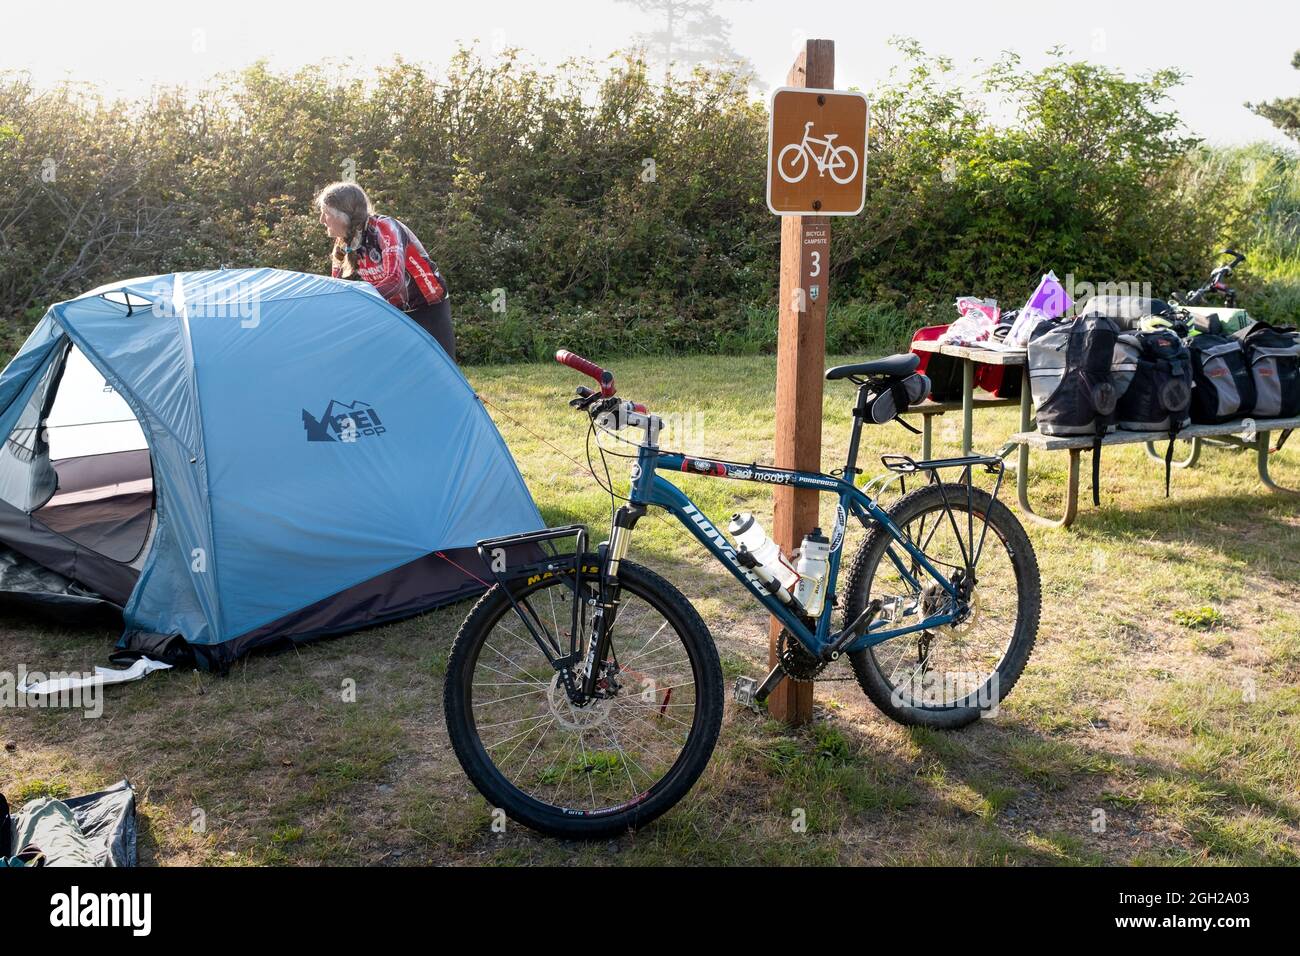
<point x="1001" y="381"/>
<point x="944" y="371"/>
<point x="1223" y="387"/>
<point x="1159" y="396"/>
<point x="1076" y="381"/>
<point x="1274" y="356"/>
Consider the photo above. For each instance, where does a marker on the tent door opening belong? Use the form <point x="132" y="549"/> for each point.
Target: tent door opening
<point x="89" y="474"/>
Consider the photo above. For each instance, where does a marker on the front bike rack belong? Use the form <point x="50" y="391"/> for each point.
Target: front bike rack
<point x="552" y="562"/>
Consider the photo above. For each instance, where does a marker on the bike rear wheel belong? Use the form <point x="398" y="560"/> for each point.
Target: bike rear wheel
<point x="792" y="163"/>
<point x="613" y="764"/>
<point x="949" y="676"/>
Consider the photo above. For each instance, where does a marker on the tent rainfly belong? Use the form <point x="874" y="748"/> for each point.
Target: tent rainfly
<point x="240" y="457"/>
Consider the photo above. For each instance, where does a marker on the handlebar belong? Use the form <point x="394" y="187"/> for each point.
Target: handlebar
<point x="1216" y="283"/>
<point x="603" y="376"/>
<point x="580" y="364"/>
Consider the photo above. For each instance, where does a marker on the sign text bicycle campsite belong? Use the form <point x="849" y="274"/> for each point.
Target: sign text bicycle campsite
<point x="817" y="153"/>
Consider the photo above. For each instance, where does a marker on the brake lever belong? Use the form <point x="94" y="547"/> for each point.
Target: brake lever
<point x="586" y="397"/>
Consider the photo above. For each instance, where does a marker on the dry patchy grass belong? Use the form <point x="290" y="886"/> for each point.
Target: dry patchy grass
<point x="1161" y="697"/>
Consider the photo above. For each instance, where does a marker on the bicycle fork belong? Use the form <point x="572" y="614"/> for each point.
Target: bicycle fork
<point x="605" y="605"/>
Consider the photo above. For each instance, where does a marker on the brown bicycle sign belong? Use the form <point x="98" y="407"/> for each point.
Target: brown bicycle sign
<point x="817" y="153"/>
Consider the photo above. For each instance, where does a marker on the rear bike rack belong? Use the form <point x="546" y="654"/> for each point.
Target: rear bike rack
<point x="990" y="464"/>
<point x="907" y="465"/>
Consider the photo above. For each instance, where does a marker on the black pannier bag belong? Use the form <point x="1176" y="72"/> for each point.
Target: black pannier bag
<point x="1223" y="387"/>
<point x="1274" y="356"/>
<point x="1077" y="381"/>
<point x="1159" y="397"/>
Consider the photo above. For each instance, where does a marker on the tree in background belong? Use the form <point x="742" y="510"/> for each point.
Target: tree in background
<point x="690" y="34"/>
<point x="1283" y="112"/>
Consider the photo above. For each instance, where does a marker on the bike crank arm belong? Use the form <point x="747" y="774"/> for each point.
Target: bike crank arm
<point x="750" y="693"/>
<point x="770" y="683"/>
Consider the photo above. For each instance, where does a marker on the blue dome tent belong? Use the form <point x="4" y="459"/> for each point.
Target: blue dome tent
<point x="239" y="457"/>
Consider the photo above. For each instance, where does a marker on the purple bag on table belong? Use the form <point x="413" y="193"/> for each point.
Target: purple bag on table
<point x="1048" y="301"/>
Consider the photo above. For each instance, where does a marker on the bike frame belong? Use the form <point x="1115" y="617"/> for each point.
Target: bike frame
<point x="649" y="488"/>
<point x="828" y="155"/>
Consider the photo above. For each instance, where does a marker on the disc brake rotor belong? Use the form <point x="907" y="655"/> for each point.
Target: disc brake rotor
<point x="966" y="624"/>
<point x="572" y="717"/>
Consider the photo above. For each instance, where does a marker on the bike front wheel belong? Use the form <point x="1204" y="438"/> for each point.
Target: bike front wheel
<point x="611" y="764"/>
<point x="948" y="676"/>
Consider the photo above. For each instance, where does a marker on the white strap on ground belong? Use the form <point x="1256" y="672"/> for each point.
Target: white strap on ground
<point x="102" y="677"/>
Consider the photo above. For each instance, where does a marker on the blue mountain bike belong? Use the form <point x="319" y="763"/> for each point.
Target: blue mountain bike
<point x="584" y="694"/>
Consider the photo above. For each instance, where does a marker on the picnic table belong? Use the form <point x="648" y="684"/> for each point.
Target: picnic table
<point x="1245" y="433"/>
<point x="970" y="356"/>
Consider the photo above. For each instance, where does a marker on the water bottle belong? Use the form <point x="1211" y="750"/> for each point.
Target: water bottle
<point x="813" y="569"/>
<point x="769" y="563"/>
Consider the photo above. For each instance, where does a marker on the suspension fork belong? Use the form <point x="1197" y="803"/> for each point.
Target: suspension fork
<point x="605" y="610"/>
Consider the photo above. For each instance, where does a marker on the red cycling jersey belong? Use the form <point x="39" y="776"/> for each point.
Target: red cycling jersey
<point x="392" y="260"/>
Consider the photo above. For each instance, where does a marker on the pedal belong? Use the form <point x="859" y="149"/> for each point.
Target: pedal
<point x="745" y="691"/>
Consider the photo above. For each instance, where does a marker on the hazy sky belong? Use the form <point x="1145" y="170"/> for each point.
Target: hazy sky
<point x="1234" y="52"/>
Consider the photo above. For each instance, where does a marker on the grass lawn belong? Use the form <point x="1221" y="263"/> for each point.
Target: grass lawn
<point x="1157" y="722"/>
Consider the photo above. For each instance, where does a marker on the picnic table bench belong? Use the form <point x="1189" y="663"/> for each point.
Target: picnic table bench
<point x="1244" y="433"/>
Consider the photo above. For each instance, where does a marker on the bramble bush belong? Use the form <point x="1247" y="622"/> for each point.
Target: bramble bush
<point x="592" y="206"/>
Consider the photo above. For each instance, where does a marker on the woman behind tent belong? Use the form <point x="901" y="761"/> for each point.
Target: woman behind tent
<point x="385" y="252"/>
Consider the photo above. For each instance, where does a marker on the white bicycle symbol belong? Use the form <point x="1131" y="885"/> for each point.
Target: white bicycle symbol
<point x="833" y="159"/>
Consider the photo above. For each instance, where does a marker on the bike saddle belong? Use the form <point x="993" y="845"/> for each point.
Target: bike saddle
<point x="896" y="366"/>
<point x="831" y="136"/>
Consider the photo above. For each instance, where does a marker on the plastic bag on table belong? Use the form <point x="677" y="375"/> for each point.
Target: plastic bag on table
<point x="977" y="318"/>
<point x="1048" y="301"/>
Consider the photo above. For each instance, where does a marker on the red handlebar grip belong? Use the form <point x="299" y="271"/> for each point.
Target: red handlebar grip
<point x="578" y="363"/>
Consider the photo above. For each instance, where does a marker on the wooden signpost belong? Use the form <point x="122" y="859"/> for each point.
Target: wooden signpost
<point x="807" y="173"/>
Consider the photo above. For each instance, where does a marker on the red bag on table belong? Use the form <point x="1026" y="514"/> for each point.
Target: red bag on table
<point x="1001" y="381"/>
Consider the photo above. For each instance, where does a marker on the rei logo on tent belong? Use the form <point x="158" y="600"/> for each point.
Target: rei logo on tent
<point x="343" y="421"/>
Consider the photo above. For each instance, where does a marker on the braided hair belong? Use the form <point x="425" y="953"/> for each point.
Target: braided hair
<point x="351" y="202"/>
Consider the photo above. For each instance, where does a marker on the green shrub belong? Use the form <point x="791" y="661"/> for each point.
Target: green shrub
<point x="623" y="216"/>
